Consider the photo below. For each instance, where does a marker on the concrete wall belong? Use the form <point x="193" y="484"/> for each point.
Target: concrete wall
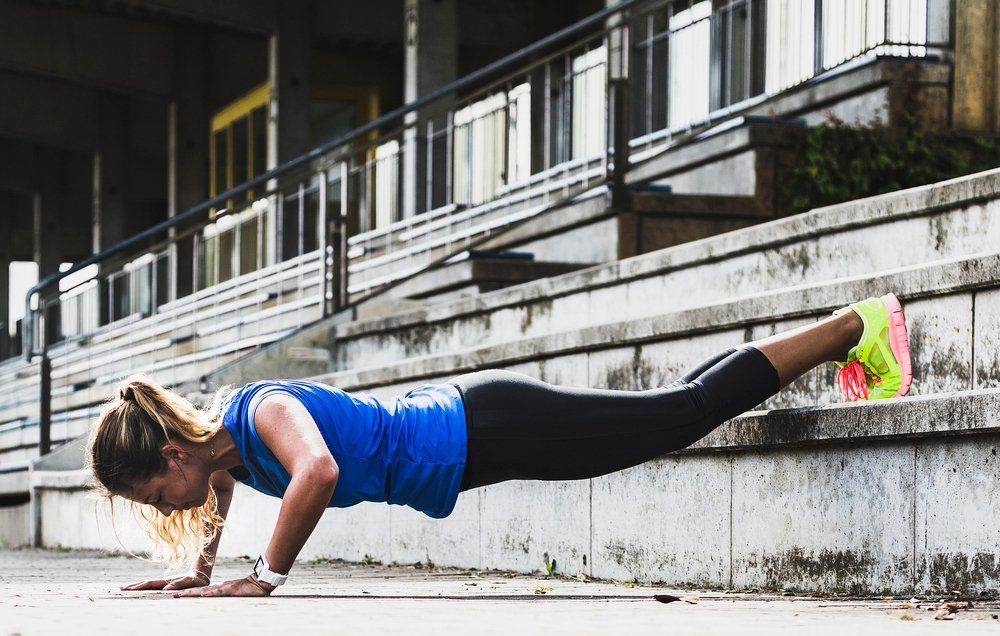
<point x="14" y="525"/>
<point x="911" y="514"/>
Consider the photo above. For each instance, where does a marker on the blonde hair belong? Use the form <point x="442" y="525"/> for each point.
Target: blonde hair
<point x="124" y="447"/>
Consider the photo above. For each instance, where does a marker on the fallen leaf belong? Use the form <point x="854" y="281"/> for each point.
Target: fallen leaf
<point x="670" y="598"/>
<point x="944" y="614"/>
<point x="543" y="589"/>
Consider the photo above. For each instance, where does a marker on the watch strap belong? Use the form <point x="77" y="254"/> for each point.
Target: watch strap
<point x="262" y="570"/>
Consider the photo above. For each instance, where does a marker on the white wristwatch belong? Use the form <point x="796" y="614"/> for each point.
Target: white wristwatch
<point x="263" y="572"/>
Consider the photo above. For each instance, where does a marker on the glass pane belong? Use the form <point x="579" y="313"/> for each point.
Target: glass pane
<point x="141" y="289"/>
<point x="330" y="119"/>
<point x="241" y="158"/>
<point x="120" y="297"/>
<point x="249" y="240"/>
<point x="162" y="280"/>
<point x="221" y="157"/>
<point x="311" y="229"/>
<point x="226" y="246"/>
<point x="259" y="149"/>
<point x="208" y="277"/>
<point x="289" y="230"/>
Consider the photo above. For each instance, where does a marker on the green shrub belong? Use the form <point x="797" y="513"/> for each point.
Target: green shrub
<point x="839" y="162"/>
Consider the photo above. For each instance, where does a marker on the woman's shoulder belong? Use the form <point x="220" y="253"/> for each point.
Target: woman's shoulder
<point x="246" y="398"/>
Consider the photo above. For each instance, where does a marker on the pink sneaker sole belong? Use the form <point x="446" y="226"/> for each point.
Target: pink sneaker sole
<point x="899" y="341"/>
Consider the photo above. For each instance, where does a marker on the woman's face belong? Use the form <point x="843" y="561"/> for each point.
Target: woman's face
<point x="182" y="485"/>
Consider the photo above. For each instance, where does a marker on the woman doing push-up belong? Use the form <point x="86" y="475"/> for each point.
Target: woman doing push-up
<point x="315" y="446"/>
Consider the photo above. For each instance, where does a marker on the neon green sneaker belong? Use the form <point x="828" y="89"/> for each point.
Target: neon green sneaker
<point x="878" y="367"/>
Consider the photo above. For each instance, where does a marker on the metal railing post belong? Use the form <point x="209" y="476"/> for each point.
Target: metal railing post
<point x="44" y="385"/>
<point x="323" y="222"/>
<point x="339" y="242"/>
<point x="618" y="136"/>
<point x="818" y="37"/>
<point x="334" y="226"/>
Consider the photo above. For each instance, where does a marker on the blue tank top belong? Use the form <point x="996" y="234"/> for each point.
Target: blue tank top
<point x="410" y="451"/>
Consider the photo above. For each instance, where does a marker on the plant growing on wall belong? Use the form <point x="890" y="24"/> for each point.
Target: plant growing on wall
<point x="840" y="162"/>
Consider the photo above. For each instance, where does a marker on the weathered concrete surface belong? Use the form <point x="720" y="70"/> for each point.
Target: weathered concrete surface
<point x="57" y="592"/>
<point x="14" y="525"/>
<point x="892" y="497"/>
<point x="938" y="297"/>
<point x="807" y="517"/>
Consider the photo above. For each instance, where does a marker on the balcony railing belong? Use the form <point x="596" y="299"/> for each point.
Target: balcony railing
<point x="537" y="130"/>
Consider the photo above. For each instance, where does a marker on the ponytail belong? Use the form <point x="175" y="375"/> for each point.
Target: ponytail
<point x="124" y="448"/>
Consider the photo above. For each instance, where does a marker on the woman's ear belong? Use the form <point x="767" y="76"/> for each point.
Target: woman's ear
<point x="174" y="452"/>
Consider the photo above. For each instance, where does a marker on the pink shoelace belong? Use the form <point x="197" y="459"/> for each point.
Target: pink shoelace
<point x="852" y="382"/>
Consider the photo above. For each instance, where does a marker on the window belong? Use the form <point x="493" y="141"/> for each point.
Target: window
<point x="856" y="27"/>
<point x="22" y="276"/>
<point x="689" y="64"/>
<point x="238" y="150"/>
<point x="386" y="183"/>
<point x="589" y="104"/>
<point x="492" y="145"/>
<point x="790" y="37"/>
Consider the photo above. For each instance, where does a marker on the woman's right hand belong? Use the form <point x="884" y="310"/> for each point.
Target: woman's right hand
<point x="182" y="582"/>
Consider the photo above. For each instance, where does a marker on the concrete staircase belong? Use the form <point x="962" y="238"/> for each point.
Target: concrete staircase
<point x="892" y="497"/>
<point x="909" y="228"/>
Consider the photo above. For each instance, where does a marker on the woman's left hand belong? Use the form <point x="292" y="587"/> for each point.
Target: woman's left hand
<point x="246" y="586"/>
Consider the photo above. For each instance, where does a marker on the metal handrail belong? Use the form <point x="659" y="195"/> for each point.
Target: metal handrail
<point x="316" y="153"/>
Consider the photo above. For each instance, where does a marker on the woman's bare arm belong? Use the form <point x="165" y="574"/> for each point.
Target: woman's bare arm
<point x="224" y="485"/>
<point x="289" y="431"/>
<point x="201" y="574"/>
<point x="287" y="428"/>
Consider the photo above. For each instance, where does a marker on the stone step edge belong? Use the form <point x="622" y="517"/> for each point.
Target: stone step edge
<point x="880" y="209"/>
<point x="972" y="412"/>
<point x="913" y="282"/>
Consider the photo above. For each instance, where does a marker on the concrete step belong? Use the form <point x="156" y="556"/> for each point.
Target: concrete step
<point x="477" y="273"/>
<point x="523" y="220"/>
<point x="910" y="227"/>
<point x="952" y="307"/>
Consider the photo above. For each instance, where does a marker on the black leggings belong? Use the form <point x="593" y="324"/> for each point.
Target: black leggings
<point x="523" y="428"/>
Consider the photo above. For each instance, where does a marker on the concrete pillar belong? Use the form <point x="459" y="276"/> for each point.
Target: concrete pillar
<point x="47" y="212"/>
<point x="618" y="58"/>
<point x="110" y="172"/>
<point x="187" y="144"/>
<point x="7" y="213"/>
<point x="289" y="80"/>
<point x="976" y="100"/>
<point x="431" y="41"/>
